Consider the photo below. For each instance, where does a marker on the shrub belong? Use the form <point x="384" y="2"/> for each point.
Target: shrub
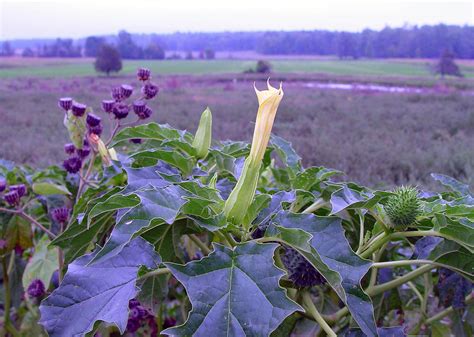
<point x="108" y="60"/>
<point x="263" y="67"/>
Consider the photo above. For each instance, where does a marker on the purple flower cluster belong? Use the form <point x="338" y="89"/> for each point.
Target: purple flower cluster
<point x="14" y="193"/>
<point x="140" y="318"/>
<point x="36" y="289"/>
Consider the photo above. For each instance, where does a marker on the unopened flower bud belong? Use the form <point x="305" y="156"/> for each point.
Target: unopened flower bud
<point x="96" y="129"/>
<point x="108" y="105"/>
<point x="69" y="148"/>
<point x="121" y="110"/>
<point x="143" y="74"/>
<point x="149" y="90"/>
<point x="78" y="109"/>
<point x="85" y="151"/>
<point x="202" y="139"/>
<point x="72" y="165"/>
<point x="92" y="120"/>
<point x="139" y="106"/>
<point x="12" y="198"/>
<point x="36" y="289"/>
<point x="61" y="215"/>
<point x="146" y="113"/>
<point x="65" y="103"/>
<point x="20" y="188"/>
<point x="117" y="94"/>
<point x="126" y="90"/>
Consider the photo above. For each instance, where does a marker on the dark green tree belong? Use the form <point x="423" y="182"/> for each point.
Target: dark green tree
<point x="92" y="45"/>
<point x="447" y="66"/>
<point x="154" y="52"/>
<point x="263" y="67"/>
<point x="127" y="47"/>
<point x="108" y="59"/>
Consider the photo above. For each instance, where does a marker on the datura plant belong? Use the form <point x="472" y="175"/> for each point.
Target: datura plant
<point x="150" y="230"/>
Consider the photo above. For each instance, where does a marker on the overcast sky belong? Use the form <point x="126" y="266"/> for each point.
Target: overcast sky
<point x="79" y="18"/>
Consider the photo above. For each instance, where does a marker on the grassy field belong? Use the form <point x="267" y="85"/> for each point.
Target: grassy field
<point x="375" y="138"/>
<point x="20" y="67"/>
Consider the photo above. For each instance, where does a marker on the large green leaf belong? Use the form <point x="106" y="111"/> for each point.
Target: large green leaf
<point x="233" y="293"/>
<point x="42" y="265"/>
<point x="100" y="292"/>
<point x="341" y="267"/>
<point x="312" y="176"/>
<point x="452" y="183"/>
<point x="286" y="153"/>
<point x="44" y="188"/>
<point x="151" y="131"/>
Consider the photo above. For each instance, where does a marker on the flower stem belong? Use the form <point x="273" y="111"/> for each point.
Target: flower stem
<point x="315" y="206"/>
<point x="311" y="308"/>
<point x="205" y="249"/>
<point x="7" y="299"/>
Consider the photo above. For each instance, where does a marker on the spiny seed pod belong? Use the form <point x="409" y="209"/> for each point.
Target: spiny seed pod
<point x="403" y="207"/>
<point x="20" y="188"/>
<point x="65" y="103"/>
<point x="150" y="90"/>
<point x="300" y="271"/>
<point x="202" y="139"/>
<point x="92" y="120"/>
<point x="12" y="198"/>
<point x="121" y="110"/>
<point x="61" y="215"/>
<point x="126" y="90"/>
<point x="143" y="74"/>
<point x="69" y="148"/>
<point x="36" y="289"/>
<point x="146" y="113"/>
<point x="85" y="151"/>
<point x="72" y="165"/>
<point x="3" y="184"/>
<point x="117" y="94"/>
<point x="78" y="109"/>
<point x="136" y="140"/>
<point x="108" y="105"/>
<point x="96" y="129"/>
<point x="139" y="106"/>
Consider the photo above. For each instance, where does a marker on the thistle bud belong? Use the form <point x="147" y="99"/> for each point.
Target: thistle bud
<point x="65" y="103"/>
<point x="108" y="105"/>
<point x="61" y="215"/>
<point x="143" y="74"/>
<point x="241" y="197"/>
<point x="150" y="90"/>
<point x="36" y="289"/>
<point x="69" y="148"/>
<point x="12" y="198"/>
<point x="96" y="129"/>
<point x="202" y="139"/>
<point x="116" y="94"/>
<point x="403" y="207"/>
<point x="121" y="111"/>
<point x="139" y="106"/>
<point x="20" y="188"/>
<point x="146" y="113"/>
<point x="126" y="90"/>
<point x="72" y="165"/>
<point x="92" y="120"/>
<point x="78" y="109"/>
<point x="84" y="152"/>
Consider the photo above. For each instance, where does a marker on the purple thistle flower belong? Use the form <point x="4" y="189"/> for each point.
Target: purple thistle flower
<point x="108" y="105"/>
<point x="65" y="103"/>
<point x="61" y="215"/>
<point x="150" y="90"/>
<point x="96" y="130"/>
<point x="92" y="120"/>
<point x="84" y="152"/>
<point x="78" y="109"/>
<point x="139" y="106"/>
<point x="73" y="164"/>
<point x="3" y="184"/>
<point x="136" y="140"/>
<point x="20" y="188"/>
<point x="12" y="198"/>
<point x="143" y="74"/>
<point x="36" y="289"/>
<point x="126" y="90"/>
<point x="69" y="148"/>
<point x="121" y="110"/>
<point x="145" y="113"/>
<point x="117" y="94"/>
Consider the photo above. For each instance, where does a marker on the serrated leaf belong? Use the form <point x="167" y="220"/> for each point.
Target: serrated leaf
<point x="286" y="152"/>
<point x="49" y="189"/>
<point x="312" y="176"/>
<point x="100" y="292"/>
<point x="151" y="131"/>
<point x="228" y="288"/>
<point x="183" y="162"/>
<point x="342" y="268"/>
<point x="452" y="183"/>
<point x="347" y="197"/>
<point x="42" y="265"/>
<point x="276" y="205"/>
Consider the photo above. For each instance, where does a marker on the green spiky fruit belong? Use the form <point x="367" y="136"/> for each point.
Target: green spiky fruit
<point x="403" y="207"/>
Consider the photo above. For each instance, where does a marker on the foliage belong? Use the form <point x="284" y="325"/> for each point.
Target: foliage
<point x="108" y="59"/>
<point x="92" y="45"/>
<point x="148" y="246"/>
<point x="446" y="65"/>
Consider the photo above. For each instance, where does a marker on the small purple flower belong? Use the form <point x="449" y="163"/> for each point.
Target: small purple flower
<point x="69" y="148"/>
<point x="36" y="289"/>
<point x="121" y="110"/>
<point x="78" y="109"/>
<point x="3" y="184"/>
<point x="96" y="129"/>
<point x="108" y="105"/>
<point x="73" y="164"/>
<point x="136" y="140"/>
<point x="61" y="215"/>
<point x="126" y="90"/>
<point x="92" y="120"/>
<point x="65" y="103"/>
<point x="133" y="303"/>
<point x="12" y="198"/>
<point x="139" y="106"/>
<point x="20" y="188"/>
<point x="117" y="94"/>
<point x="143" y="74"/>
<point x="84" y="152"/>
<point x="150" y="90"/>
<point x="145" y="113"/>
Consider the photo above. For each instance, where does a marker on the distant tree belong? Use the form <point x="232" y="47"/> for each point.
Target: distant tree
<point x="108" y="59"/>
<point x="201" y="55"/>
<point x="28" y="52"/>
<point x="446" y="65"/>
<point x="61" y="48"/>
<point x="263" y="67"/>
<point x="154" y="52"/>
<point x="209" y="54"/>
<point x="7" y="49"/>
<point x="92" y="45"/>
<point x="346" y="46"/>
<point x="189" y="55"/>
<point x="127" y="47"/>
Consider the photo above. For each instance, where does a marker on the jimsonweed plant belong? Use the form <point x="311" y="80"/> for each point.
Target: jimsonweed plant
<point x="151" y="230"/>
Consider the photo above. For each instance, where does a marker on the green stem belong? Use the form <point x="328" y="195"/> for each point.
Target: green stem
<point x="361" y="233"/>
<point x="156" y="272"/>
<point x="384" y="238"/>
<point x="401" y="263"/>
<point x="7" y="299"/>
<point x="315" y="206"/>
<point x="205" y="249"/>
<point x="230" y="239"/>
<point x="311" y="308"/>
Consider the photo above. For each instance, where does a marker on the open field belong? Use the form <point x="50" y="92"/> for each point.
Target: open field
<point x="373" y="137"/>
<point x="41" y="67"/>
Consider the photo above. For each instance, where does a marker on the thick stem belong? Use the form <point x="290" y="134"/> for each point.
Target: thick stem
<point x="86" y="176"/>
<point x="361" y="233"/>
<point x="7" y="299"/>
<point x="384" y="238"/>
<point x="204" y="248"/>
<point x="311" y="308"/>
<point x="315" y="206"/>
<point x="156" y="272"/>
<point x="230" y="239"/>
